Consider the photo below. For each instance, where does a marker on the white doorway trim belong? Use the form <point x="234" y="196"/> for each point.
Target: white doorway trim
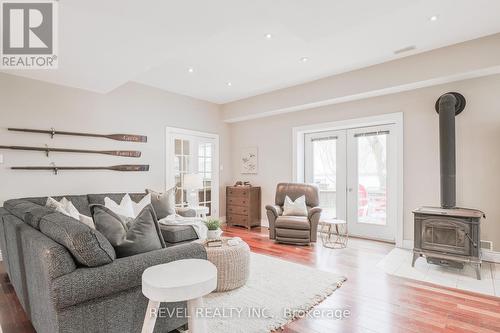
<point x="298" y="165"/>
<point x="169" y="162"/>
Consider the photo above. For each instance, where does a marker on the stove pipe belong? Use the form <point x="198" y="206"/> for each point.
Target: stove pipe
<point x="448" y="106"/>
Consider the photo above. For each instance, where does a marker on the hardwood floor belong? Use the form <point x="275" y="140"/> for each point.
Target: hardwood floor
<point x="377" y="302"/>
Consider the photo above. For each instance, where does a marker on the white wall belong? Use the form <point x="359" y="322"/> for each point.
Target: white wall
<point x="478" y="153"/>
<point x="132" y="108"/>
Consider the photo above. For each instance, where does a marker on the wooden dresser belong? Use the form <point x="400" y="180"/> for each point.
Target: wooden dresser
<point x="243" y="206"/>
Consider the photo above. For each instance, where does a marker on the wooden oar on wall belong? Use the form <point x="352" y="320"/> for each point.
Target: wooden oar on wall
<point x="118" y="137"/>
<point x="56" y="169"/>
<point x="47" y="150"/>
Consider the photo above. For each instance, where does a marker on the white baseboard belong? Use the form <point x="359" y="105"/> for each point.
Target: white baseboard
<point x="407" y="244"/>
<point x="491" y="256"/>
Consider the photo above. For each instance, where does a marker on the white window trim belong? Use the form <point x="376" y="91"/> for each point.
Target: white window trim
<point x="298" y="165"/>
<point x="169" y="165"/>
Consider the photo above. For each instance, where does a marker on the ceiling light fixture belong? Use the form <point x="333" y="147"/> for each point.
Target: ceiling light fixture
<point x="229" y="84"/>
<point x="190" y="69"/>
<point x="434" y="18"/>
<point x="268" y="36"/>
<point x="304" y="59"/>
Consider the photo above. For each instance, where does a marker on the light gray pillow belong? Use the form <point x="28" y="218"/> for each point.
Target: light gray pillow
<point x="163" y="202"/>
<point x="295" y="208"/>
<point x="129" y="236"/>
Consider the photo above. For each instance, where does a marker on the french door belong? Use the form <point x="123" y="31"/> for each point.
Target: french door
<point x="193" y="153"/>
<point x="356" y="172"/>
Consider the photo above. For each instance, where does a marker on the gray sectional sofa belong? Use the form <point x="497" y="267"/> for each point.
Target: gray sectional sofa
<point x="58" y="294"/>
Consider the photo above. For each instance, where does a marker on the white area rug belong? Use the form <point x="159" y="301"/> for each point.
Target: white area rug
<point x="274" y="287"/>
<point x="398" y="262"/>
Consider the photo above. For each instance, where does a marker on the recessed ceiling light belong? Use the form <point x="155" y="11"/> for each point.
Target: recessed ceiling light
<point x="269" y="36"/>
<point x="229" y="84"/>
<point x="190" y="69"/>
<point x="433" y="18"/>
<point x="304" y="59"/>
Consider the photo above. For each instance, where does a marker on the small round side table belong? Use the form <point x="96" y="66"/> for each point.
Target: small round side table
<point x="182" y="280"/>
<point x="334" y="233"/>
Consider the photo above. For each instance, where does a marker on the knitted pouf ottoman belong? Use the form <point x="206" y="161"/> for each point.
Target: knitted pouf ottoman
<point x="232" y="262"/>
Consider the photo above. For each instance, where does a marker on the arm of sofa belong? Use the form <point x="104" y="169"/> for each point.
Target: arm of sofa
<point x="186" y="212"/>
<point x="44" y="261"/>
<point x="273" y="211"/>
<point x="314" y="215"/>
<point x="122" y="274"/>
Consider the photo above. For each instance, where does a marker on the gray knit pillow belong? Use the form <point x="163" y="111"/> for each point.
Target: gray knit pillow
<point x="88" y="246"/>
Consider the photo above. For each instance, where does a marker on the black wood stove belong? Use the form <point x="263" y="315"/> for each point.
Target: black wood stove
<point x="448" y="235"/>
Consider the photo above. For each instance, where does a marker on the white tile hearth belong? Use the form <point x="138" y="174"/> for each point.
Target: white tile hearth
<point x="398" y="262"/>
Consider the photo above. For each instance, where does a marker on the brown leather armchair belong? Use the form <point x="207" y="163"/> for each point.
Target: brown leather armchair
<point x="294" y="229"/>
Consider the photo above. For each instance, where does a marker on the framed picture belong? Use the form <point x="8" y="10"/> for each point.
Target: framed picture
<point x="249" y="160"/>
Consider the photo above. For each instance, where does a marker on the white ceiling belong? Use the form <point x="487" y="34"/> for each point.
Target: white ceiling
<point x="104" y="44"/>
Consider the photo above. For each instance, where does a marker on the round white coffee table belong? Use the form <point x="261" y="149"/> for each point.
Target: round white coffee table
<point x="334" y="233"/>
<point x="183" y="280"/>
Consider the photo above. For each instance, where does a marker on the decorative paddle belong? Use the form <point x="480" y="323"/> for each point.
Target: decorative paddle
<point x="47" y="150"/>
<point x="117" y="137"/>
<point x="55" y="169"/>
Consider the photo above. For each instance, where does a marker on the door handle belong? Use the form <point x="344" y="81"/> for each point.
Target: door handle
<point x="349" y="189"/>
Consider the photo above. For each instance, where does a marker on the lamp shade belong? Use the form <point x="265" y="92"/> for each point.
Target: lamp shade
<point x="193" y="181"/>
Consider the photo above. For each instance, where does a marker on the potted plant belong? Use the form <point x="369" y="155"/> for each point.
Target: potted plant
<point x="214" y="231"/>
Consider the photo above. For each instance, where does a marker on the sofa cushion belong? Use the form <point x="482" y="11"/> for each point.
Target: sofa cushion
<point x="293" y="222"/>
<point x="18" y="207"/>
<point x="129" y="236"/>
<point x="178" y="233"/>
<point x="34" y="216"/>
<point x="88" y="246"/>
<point x="98" y="199"/>
<point x="27" y="211"/>
<point x="80" y="202"/>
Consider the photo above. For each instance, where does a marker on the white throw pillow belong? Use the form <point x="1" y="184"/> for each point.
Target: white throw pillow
<point x="138" y="207"/>
<point x="295" y="208"/>
<point x="57" y="205"/>
<point x="127" y="207"/>
<point x="67" y="208"/>
<point x="86" y="220"/>
<point x="70" y="208"/>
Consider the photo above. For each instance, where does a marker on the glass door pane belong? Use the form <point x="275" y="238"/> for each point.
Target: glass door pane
<point x="372" y="178"/>
<point x="325" y="173"/>
<point x="325" y="167"/>
<point x="182" y="163"/>
<point x="195" y="155"/>
<point x="205" y="168"/>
